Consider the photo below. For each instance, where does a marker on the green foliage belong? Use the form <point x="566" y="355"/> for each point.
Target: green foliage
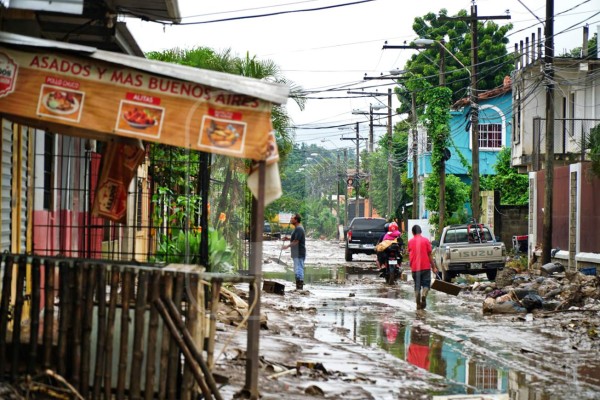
<point x="206" y="58"/>
<point x="378" y="167"/>
<point x="513" y="187"/>
<point x="179" y="237"/>
<point x="577" y="51"/>
<point x="594" y="146"/>
<point x="437" y="120"/>
<point x="457" y="194"/>
<point x="494" y="61"/>
<point x="178" y="168"/>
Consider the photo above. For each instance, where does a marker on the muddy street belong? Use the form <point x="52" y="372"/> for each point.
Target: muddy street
<point x="370" y="334"/>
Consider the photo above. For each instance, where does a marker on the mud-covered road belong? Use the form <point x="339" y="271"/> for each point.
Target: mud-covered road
<point x="362" y="339"/>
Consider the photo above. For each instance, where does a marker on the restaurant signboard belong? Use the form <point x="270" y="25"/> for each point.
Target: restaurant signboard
<point x="98" y="99"/>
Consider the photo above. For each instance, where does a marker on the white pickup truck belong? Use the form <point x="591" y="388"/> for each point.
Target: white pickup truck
<point x="468" y="249"/>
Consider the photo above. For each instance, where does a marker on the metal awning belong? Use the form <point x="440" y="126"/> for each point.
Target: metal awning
<point x="97" y="26"/>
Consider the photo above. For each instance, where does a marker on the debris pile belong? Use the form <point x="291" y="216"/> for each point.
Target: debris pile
<point x="515" y="292"/>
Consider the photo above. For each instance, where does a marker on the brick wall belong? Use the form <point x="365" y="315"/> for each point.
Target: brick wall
<point x="511" y="221"/>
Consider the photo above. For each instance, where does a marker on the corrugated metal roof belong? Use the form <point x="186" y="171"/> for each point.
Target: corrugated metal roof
<point x="273" y="92"/>
<point x="153" y="10"/>
<point x="96" y="25"/>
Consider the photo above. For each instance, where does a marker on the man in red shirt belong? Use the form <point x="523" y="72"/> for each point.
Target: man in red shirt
<point x="421" y="264"/>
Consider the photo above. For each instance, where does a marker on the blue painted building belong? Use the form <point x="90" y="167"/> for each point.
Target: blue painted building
<point x="495" y="132"/>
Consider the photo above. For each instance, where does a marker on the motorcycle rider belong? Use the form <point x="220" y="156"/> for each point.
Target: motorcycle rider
<point x="383" y="255"/>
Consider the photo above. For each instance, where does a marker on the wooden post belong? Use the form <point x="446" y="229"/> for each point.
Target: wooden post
<point x="17" y="316"/>
<point x="167" y="292"/>
<point x="4" y="303"/>
<point x="188" y="385"/>
<point x="86" y="343"/>
<point x="101" y="337"/>
<point x="179" y="342"/>
<point x="110" y="330"/>
<point x="64" y="315"/>
<point x="152" y="338"/>
<point x="35" y="315"/>
<point x="174" y="355"/>
<point x="123" y="344"/>
<point x="189" y="342"/>
<point x="49" y="268"/>
<point x="256" y="254"/>
<point x="77" y="316"/>
<point x="214" y="307"/>
<point x="138" y="350"/>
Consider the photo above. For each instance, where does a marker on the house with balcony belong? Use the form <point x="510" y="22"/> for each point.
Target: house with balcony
<point x="495" y="132"/>
<point x="576" y="113"/>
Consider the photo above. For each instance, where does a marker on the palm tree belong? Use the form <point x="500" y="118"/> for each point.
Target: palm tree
<point x="228" y="171"/>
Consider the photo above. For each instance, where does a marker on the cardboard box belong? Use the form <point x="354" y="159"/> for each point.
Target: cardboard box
<point x="445" y="287"/>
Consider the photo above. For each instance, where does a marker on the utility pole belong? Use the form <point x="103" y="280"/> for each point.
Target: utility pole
<point x="338" y="174"/>
<point x="415" y="150"/>
<point x="549" y="77"/>
<point x="442" y="205"/>
<point x="389" y="134"/>
<point x="390" y="152"/>
<point x="475" y="197"/>
<point x="346" y="187"/>
<point x="370" y="128"/>
<point x="356" y="179"/>
<point x="474" y="100"/>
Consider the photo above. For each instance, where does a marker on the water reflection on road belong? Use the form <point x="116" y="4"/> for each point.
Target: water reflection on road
<point x="384" y="317"/>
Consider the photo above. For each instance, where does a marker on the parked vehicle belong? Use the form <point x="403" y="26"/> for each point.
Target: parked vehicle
<point x="391" y="263"/>
<point x="468" y="249"/>
<point x="362" y="235"/>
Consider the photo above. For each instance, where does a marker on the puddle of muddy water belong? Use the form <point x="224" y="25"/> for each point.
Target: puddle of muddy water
<point x="384" y="318"/>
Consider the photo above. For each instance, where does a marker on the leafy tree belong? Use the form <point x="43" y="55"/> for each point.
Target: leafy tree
<point x="594" y="146"/>
<point x="513" y="187"/>
<point x="177" y="168"/>
<point x="494" y="61"/>
<point x="378" y="168"/>
<point x="457" y="194"/>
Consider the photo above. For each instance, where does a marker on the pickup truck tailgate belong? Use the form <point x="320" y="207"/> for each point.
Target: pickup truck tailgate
<point x="483" y="252"/>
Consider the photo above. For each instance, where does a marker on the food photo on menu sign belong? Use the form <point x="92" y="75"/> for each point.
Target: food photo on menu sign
<point x="221" y="133"/>
<point x="57" y="102"/>
<point x="140" y="118"/>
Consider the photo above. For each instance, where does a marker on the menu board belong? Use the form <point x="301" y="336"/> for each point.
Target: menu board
<point x="98" y="99"/>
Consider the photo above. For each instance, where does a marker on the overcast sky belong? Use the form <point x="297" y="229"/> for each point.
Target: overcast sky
<point x="336" y="47"/>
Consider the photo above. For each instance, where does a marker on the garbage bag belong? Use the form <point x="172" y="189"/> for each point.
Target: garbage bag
<point x="552" y="268"/>
<point x="532" y="302"/>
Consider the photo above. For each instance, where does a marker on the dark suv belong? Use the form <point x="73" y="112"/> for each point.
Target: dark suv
<point x="362" y="235"/>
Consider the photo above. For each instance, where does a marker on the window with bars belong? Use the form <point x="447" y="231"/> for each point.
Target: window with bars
<point x="490" y="136"/>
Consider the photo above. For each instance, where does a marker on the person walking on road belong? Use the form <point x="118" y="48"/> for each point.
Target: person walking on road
<point x="421" y="264"/>
<point x="298" y="249"/>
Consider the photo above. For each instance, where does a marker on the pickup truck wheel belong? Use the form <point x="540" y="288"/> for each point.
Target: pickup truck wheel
<point x="348" y="255"/>
<point x="447" y="276"/>
<point x="491" y="275"/>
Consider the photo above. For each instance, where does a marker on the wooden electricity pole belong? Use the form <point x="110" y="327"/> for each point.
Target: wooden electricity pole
<point x="549" y="78"/>
<point x="473" y="20"/>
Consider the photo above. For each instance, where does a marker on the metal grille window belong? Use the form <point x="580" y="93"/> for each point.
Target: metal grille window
<point x="490" y="136"/>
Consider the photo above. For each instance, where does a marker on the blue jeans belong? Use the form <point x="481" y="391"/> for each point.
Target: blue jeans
<point x="299" y="268"/>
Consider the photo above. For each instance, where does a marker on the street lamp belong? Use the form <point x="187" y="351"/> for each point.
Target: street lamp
<point x="474" y="129"/>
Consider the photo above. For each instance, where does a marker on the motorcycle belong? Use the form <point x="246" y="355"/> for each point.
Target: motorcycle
<point x="391" y="261"/>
